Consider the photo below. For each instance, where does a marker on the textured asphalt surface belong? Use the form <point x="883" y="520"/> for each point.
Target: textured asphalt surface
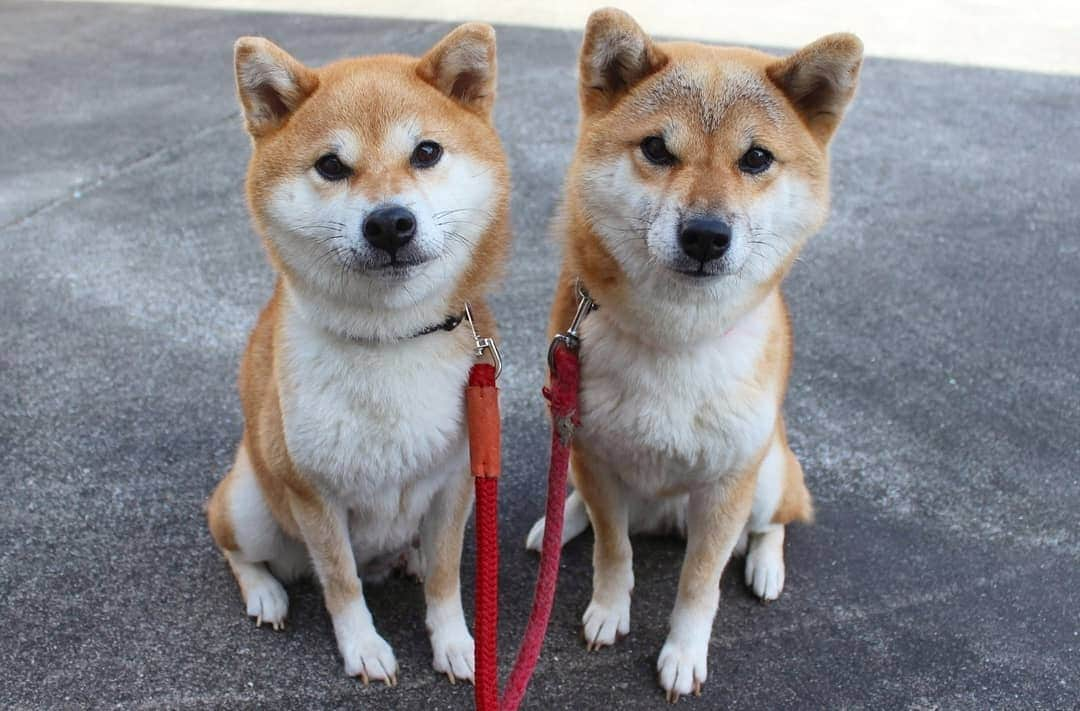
<point x="935" y="401"/>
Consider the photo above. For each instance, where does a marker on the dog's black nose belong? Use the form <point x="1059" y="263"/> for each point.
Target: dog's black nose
<point x="390" y="228"/>
<point x="705" y="238"/>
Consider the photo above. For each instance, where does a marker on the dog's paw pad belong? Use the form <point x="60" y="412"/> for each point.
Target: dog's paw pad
<point x="535" y="540"/>
<point x="603" y="624"/>
<point x="765" y="571"/>
<point x="370" y="658"/>
<point x="267" y="602"/>
<point x="682" y="669"/>
<point x="453" y="655"/>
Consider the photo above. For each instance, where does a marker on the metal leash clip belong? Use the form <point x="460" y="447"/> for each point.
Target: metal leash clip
<point x="570" y="337"/>
<point x="484" y="344"/>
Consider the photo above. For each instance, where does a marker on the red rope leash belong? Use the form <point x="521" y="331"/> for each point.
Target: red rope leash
<point x="487" y="594"/>
<point x="482" y="403"/>
<point x="563" y="398"/>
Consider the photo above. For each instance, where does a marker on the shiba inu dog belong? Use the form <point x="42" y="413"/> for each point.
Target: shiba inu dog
<point x="699" y="173"/>
<point x="380" y="190"/>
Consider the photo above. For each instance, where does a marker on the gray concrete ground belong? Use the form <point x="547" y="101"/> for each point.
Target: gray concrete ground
<point x="934" y="401"/>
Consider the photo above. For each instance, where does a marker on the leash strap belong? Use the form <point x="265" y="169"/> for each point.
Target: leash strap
<point x="563" y="399"/>
<point x="482" y="412"/>
<point x="482" y="408"/>
<point x="482" y="403"/>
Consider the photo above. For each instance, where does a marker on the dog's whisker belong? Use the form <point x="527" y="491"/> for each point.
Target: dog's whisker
<point x="442" y="213"/>
<point x="458" y="222"/>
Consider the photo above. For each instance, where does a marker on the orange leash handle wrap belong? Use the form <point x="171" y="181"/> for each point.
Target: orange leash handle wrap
<point x="482" y="413"/>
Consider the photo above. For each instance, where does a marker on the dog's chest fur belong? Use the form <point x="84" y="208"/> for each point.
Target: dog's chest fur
<point x="379" y="429"/>
<point x="666" y="420"/>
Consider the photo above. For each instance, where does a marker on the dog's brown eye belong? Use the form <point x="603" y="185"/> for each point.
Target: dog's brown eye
<point x="426" y="154"/>
<point x="756" y="160"/>
<point x="657" y="151"/>
<point x="330" y="167"/>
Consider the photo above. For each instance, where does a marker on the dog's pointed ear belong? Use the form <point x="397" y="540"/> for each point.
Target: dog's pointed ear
<point x="615" y="55"/>
<point x="462" y="66"/>
<point x="270" y="83"/>
<point x="820" y="79"/>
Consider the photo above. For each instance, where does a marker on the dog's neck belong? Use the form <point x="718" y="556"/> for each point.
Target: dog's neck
<point x="678" y="322"/>
<point x="371" y="324"/>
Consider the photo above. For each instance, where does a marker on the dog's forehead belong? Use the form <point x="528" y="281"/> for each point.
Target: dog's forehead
<point x="372" y="100"/>
<point x="708" y="91"/>
<point x="362" y="114"/>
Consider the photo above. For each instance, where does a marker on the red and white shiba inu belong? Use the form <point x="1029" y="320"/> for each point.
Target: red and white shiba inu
<point x="699" y="174"/>
<point x="380" y="190"/>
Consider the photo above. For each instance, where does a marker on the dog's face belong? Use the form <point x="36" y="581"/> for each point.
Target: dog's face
<point x="374" y="180"/>
<point x="705" y="166"/>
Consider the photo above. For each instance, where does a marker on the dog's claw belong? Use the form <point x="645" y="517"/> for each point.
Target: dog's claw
<point x="451" y="677"/>
<point x="364" y="677"/>
<point x="258" y="621"/>
<point x="697" y="688"/>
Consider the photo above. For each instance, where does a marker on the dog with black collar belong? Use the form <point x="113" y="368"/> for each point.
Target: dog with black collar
<point x="381" y="192"/>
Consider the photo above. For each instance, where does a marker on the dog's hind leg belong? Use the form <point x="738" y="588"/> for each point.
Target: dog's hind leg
<point x="575" y="521"/>
<point x="779" y="499"/>
<point x="253" y="543"/>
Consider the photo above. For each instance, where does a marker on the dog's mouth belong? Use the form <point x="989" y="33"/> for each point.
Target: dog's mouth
<point x="698" y="273"/>
<point x="390" y="267"/>
<point x="400" y="265"/>
<point x="701" y="273"/>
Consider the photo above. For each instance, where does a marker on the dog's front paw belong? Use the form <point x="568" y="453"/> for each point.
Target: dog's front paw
<point x="682" y="667"/>
<point x="369" y="657"/>
<point x="603" y="624"/>
<point x="454" y="652"/>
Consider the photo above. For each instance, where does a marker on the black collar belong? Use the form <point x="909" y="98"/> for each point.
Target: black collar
<point x="449" y="324"/>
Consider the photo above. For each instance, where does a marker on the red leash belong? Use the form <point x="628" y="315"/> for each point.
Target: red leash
<point x="482" y="408"/>
<point x="563" y="398"/>
<point x="483" y="417"/>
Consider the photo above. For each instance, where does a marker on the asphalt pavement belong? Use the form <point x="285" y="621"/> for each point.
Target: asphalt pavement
<point x="935" y="401"/>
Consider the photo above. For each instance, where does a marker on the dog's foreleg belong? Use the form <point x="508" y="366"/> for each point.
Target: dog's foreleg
<point x="608" y="615"/>
<point x="325" y="530"/>
<point x="441" y="535"/>
<point x="715" y="518"/>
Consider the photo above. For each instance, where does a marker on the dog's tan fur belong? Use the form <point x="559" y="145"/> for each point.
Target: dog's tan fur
<point x="709" y="104"/>
<point x="272" y="513"/>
